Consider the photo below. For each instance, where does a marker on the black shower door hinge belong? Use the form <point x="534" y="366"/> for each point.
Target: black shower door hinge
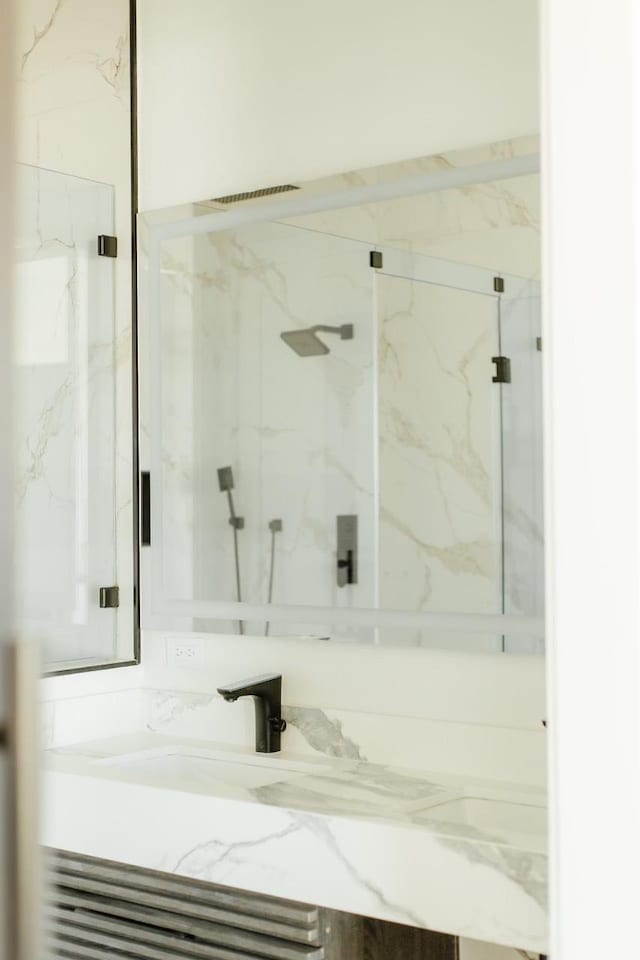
<point x="503" y="370"/>
<point x="375" y="259"/>
<point x="498" y="284"/>
<point x="107" y="246"/>
<point x="109" y="597"/>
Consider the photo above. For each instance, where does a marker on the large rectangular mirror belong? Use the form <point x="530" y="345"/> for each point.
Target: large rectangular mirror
<point x="343" y="406"/>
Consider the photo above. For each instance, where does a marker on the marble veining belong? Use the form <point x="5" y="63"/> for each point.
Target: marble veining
<point x="225" y="301"/>
<point x="323" y="831"/>
<point x="39" y="33"/>
<point x="73" y="127"/>
<point x="322" y="733"/>
<point x="409" y="402"/>
<point x="167" y="706"/>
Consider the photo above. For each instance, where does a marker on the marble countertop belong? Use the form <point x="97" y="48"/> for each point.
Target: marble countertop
<point x="466" y="857"/>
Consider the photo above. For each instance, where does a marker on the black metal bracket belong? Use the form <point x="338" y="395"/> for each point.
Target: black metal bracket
<point x="498" y="284"/>
<point x="503" y="370"/>
<point x="109" y="597"/>
<point x="107" y="246"/>
<point x="375" y="259"/>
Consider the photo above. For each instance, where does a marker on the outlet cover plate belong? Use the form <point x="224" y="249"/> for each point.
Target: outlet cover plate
<point x="183" y="653"/>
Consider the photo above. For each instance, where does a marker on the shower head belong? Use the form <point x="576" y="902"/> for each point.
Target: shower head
<point x="225" y="479"/>
<point x="306" y="342"/>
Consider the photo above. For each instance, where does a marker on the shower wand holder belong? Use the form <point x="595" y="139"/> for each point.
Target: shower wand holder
<point x="237" y="523"/>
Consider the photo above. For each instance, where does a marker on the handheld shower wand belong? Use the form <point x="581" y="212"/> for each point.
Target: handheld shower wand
<point x="226" y="484"/>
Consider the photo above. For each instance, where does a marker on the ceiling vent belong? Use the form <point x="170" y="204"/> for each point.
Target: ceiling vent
<point x="254" y="194"/>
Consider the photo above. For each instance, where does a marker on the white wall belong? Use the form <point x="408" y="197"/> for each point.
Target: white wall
<point x="590" y="131"/>
<point x="7" y="879"/>
<point x="239" y="94"/>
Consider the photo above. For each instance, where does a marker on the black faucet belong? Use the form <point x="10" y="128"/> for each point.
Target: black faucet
<point x="267" y="696"/>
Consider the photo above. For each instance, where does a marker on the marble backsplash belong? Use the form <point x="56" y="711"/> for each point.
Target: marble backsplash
<point x="418" y="743"/>
<point x="456" y="713"/>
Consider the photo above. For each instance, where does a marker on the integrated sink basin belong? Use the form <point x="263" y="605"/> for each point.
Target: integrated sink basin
<point x="188" y="765"/>
<point x="329" y="786"/>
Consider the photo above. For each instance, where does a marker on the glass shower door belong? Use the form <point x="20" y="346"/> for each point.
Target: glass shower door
<point x="65" y="417"/>
<point x="523" y="509"/>
<point x="263" y="348"/>
<point x="439" y="450"/>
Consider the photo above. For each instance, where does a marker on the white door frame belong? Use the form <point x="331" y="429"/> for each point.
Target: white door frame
<point x="7" y="83"/>
<point x="592" y="425"/>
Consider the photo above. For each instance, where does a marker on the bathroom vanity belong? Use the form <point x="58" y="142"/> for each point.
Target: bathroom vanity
<point x="340" y="450"/>
<point x="440" y="853"/>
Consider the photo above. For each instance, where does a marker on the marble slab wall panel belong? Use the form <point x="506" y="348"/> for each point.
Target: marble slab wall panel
<point x="494" y="225"/>
<point x="80" y="718"/>
<point x="419" y="708"/>
<point x="439" y="448"/>
<point x="497" y="226"/>
<point x="438" y="684"/>
<point x="298" y="432"/>
<point x="178" y="289"/>
<point x="73" y="117"/>
<point x="448" y="747"/>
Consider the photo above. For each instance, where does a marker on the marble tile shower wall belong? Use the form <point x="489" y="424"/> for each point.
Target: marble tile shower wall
<point x="452" y="554"/>
<point x="73" y="117"/>
<point x="437" y="453"/>
<point x="299" y="437"/>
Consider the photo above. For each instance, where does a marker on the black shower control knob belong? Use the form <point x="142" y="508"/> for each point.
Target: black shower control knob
<point x="277" y="724"/>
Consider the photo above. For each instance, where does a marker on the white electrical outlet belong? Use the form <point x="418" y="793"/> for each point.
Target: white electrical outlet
<point x="181" y="653"/>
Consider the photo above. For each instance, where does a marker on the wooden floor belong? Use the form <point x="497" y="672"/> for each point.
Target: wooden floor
<point x="348" y="937"/>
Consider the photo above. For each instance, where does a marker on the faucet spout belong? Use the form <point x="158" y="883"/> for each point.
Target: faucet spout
<point x="267" y="697"/>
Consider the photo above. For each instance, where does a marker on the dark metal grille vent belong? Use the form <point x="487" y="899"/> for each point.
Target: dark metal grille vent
<point x="101" y="910"/>
<point x="253" y="194"/>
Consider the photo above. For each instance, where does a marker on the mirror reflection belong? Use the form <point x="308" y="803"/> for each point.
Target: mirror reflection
<point x="345" y="400"/>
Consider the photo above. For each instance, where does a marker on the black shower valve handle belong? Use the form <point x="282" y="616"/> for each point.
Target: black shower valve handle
<point x="347" y="564"/>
